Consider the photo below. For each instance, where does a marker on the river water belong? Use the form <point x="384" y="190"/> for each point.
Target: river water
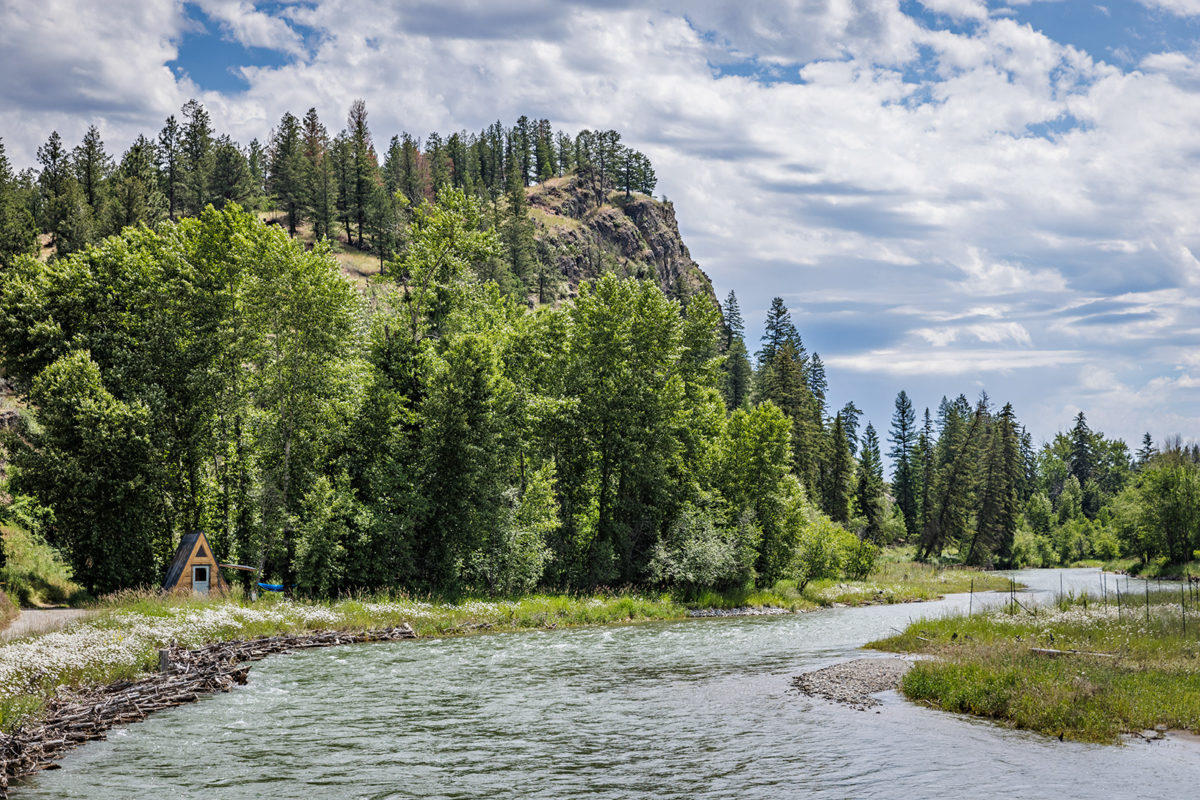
<point x="696" y="709"/>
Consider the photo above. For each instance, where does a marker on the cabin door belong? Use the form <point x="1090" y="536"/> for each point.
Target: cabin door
<point x="200" y="579"/>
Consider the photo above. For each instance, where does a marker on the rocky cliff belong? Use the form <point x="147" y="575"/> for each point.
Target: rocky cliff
<point x="631" y="236"/>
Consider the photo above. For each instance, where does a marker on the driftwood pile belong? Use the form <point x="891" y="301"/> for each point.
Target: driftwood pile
<point x="75" y="717"/>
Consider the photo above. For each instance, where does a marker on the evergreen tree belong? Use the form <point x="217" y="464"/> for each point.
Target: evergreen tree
<point x="837" y="475"/>
<point x="903" y="454"/>
<point x="517" y="234"/>
<point x="734" y="326"/>
<point x="136" y="199"/>
<point x="850" y="416"/>
<point x="92" y="169"/>
<point x="319" y="184"/>
<point x="1146" y="451"/>
<point x="953" y="492"/>
<point x="870" y="485"/>
<point x="1083" y="455"/>
<point x="231" y="181"/>
<point x="999" y="506"/>
<point x="60" y="198"/>
<point x="363" y="169"/>
<point x="256" y="163"/>
<point x="286" y="176"/>
<point x="18" y="230"/>
<point x="197" y="152"/>
<point x="736" y="375"/>
<point x="170" y="164"/>
<point x="777" y="330"/>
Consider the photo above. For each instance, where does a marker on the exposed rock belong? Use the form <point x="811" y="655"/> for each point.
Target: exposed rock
<point x="634" y="236"/>
<point x="853" y="682"/>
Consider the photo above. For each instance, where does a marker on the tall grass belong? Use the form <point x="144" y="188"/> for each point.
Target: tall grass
<point x="1117" y="669"/>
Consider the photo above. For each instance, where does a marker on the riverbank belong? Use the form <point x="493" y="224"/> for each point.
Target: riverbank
<point x="1081" y="670"/>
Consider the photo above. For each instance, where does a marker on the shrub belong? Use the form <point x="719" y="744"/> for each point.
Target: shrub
<point x="697" y="554"/>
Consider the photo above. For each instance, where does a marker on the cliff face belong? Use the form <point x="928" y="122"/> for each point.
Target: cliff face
<point x="633" y="236"/>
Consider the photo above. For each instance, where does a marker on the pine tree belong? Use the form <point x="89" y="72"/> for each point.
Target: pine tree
<point x="363" y="172"/>
<point x="231" y="182"/>
<point x="197" y="147"/>
<point x="999" y="506"/>
<point x="92" y="169"/>
<point x="737" y="375"/>
<point x="1083" y="454"/>
<point x="319" y="189"/>
<point x="734" y="326"/>
<point x="904" y="471"/>
<point x="286" y="176"/>
<point x="136" y="198"/>
<point x="170" y="163"/>
<point x="1146" y="451"/>
<point x="777" y="330"/>
<point x="953" y="491"/>
<point x="256" y="162"/>
<point x="517" y="233"/>
<point x="850" y="415"/>
<point x="18" y="230"/>
<point x="58" y="190"/>
<point x="837" y="475"/>
<point x="926" y="464"/>
<point x="870" y="485"/>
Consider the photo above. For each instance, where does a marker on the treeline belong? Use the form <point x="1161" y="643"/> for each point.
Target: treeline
<point x="340" y="185"/>
<point x="214" y="373"/>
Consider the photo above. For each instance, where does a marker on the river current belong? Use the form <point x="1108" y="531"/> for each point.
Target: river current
<point x="695" y="709"/>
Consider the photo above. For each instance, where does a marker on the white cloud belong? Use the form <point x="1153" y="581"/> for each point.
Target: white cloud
<point x="962" y="361"/>
<point x="1182" y="8"/>
<point x="242" y="22"/>
<point x="958" y="9"/>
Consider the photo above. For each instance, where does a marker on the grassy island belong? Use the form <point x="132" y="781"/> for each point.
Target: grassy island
<point x="1082" y="670"/>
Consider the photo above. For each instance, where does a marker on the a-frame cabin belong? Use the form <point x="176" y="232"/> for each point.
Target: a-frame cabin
<point x="194" y="567"/>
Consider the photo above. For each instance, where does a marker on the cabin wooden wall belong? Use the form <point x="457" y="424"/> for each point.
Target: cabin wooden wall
<point x="215" y="582"/>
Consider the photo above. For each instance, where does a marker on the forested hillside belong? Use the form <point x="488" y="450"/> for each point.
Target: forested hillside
<point x="538" y="388"/>
<point x="566" y="208"/>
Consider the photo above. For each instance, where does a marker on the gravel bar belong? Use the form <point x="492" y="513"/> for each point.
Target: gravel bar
<point x="853" y="682"/>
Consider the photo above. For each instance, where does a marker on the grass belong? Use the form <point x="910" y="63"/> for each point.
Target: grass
<point x="1131" y="672"/>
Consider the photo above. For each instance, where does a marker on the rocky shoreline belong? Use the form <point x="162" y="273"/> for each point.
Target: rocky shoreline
<point x="75" y="717"/>
<point x="854" y="682"/>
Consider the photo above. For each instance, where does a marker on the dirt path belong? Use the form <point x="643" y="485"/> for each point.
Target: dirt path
<point x="42" y="620"/>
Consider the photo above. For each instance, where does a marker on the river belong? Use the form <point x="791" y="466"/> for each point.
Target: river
<point x="695" y="709"/>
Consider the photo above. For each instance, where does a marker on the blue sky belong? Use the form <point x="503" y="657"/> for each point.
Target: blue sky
<point x="951" y="195"/>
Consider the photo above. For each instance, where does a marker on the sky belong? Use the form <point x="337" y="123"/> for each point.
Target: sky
<point x="952" y="196"/>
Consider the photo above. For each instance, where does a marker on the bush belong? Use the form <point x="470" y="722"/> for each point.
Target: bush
<point x="1026" y="550"/>
<point x="822" y="550"/>
<point x="858" y="560"/>
<point x="697" y="554"/>
<point x="35" y="573"/>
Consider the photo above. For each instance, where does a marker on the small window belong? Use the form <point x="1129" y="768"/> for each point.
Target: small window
<point x="200" y="575"/>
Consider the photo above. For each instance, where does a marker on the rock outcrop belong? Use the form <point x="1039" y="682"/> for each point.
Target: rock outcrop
<point x="635" y="236"/>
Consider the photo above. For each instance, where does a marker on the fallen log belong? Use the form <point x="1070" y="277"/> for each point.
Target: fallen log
<point x="1052" y="653"/>
<point x="81" y="715"/>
